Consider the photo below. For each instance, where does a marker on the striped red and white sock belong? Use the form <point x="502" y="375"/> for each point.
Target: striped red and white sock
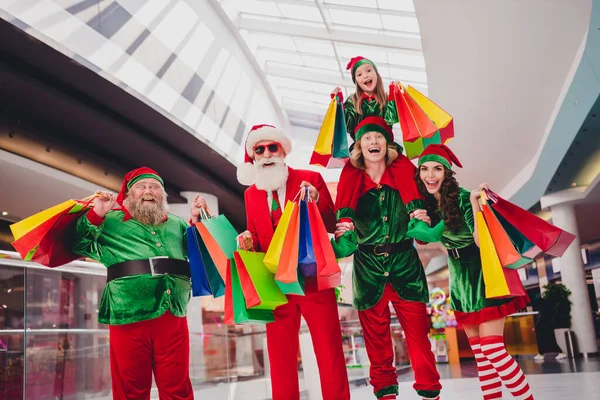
<point x="512" y="375"/>
<point x="491" y="384"/>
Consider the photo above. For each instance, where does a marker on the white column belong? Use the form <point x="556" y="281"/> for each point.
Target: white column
<point x="572" y="274"/>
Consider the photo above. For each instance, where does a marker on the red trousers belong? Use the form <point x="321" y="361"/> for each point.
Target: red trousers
<point x="321" y="314"/>
<point x="375" y="323"/>
<point x="161" y="345"/>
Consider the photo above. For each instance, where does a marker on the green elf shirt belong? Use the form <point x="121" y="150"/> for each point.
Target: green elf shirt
<point x="113" y="240"/>
<point x="369" y="107"/>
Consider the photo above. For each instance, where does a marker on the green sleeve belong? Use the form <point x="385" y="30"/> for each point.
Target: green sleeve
<point x="86" y="239"/>
<point x="345" y="245"/>
<point x="350" y="115"/>
<point x="419" y="230"/>
<point x="391" y="113"/>
<point x="464" y="204"/>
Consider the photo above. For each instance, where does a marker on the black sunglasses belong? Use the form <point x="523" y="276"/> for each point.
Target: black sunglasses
<point x="260" y="149"/>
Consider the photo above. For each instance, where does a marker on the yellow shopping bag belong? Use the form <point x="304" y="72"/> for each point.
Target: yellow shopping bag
<point x="499" y="282"/>
<point x="325" y="139"/>
<point x="440" y="118"/>
<point x="273" y="253"/>
<point x="21" y="228"/>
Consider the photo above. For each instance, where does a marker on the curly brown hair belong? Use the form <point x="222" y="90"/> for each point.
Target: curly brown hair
<point x="448" y="205"/>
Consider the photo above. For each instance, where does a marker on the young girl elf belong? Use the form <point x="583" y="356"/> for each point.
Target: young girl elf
<point x="370" y="98"/>
<point x="481" y="318"/>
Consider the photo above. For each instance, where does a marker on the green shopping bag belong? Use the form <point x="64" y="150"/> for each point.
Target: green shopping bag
<point x="258" y="283"/>
<point x="219" y="237"/>
<point x="234" y="300"/>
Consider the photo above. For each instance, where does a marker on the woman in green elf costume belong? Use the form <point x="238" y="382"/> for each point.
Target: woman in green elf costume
<point x="481" y="318"/>
<point x="370" y="98"/>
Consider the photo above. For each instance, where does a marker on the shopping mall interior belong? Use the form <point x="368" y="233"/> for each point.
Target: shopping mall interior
<point x="91" y="89"/>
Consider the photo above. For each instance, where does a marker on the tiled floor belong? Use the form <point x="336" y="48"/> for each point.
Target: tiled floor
<point x="556" y="380"/>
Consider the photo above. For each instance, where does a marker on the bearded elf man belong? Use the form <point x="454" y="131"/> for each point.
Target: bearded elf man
<point x="272" y="183"/>
<point x="147" y="285"/>
<point x="376" y="196"/>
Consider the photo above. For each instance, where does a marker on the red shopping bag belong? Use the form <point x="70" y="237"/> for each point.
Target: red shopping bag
<point x="549" y="238"/>
<point x="329" y="273"/>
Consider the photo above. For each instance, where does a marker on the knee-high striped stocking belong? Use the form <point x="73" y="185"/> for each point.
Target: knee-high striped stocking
<point x="491" y="384"/>
<point x="512" y="376"/>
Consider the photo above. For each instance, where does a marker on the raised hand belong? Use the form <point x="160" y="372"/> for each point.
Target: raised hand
<point x="103" y="203"/>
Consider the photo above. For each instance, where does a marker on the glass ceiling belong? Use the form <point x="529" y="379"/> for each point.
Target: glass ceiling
<point x="303" y="46"/>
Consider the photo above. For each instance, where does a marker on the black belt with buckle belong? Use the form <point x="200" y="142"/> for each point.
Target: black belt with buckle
<point x="383" y="249"/>
<point x="153" y="266"/>
<point x="465" y="251"/>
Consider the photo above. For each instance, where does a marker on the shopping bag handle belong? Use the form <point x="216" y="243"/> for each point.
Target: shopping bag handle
<point x="241" y="245"/>
<point x="206" y="213"/>
<point x="302" y="195"/>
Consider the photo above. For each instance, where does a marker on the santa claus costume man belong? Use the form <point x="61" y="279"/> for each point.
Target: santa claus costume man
<point x="272" y="183"/>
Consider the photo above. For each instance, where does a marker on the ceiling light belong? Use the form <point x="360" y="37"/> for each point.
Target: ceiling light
<point x="4" y="213"/>
<point x="4" y="306"/>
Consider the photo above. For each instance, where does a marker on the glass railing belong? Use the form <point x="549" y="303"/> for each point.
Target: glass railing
<point x="52" y="346"/>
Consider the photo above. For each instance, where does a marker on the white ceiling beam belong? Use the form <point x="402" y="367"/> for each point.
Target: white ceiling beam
<point x="340" y="36"/>
<point x="379" y="64"/>
<point x="288" y="72"/>
<point x="358" y="9"/>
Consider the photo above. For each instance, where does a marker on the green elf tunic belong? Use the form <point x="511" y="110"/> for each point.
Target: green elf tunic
<point x="380" y="213"/>
<point x="467" y="288"/>
<point x="116" y="239"/>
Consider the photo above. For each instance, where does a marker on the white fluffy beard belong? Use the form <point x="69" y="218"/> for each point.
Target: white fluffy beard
<point x="152" y="214"/>
<point x="271" y="177"/>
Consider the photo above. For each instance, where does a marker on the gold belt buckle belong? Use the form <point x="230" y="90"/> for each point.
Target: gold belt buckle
<point x="375" y="250"/>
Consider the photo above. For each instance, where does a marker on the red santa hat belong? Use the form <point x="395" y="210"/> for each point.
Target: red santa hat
<point x="246" y="172"/>
<point x="439" y="153"/>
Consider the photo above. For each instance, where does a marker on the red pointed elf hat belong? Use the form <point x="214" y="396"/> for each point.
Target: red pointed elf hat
<point x="439" y="153"/>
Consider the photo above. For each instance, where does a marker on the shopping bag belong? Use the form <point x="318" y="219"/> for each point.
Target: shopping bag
<point x="307" y="263"/>
<point x="340" y="136"/>
<point x="219" y="237"/>
<point x="521" y="243"/>
<point x="237" y="302"/>
<point x="21" y="228"/>
<point x="273" y="253"/>
<point x="414" y="122"/>
<point x="442" y="120"/>
<point x="329" y="273"/>
<point x="216" y="280"/>
<point x="499" y="282"/>
<point x="324" y="143"/>
<point x="549" y="238"/>
<point x="258" y="284"/>
<point x="200" y="284"/>
<point x="287" y="268"/>
<point x="55" y="247"/>
<point x="507" y="253"/>
<point x="422" y="121"/>
<point x="48" y="236"/>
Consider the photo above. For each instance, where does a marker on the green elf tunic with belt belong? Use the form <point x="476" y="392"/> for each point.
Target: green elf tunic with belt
<point x="380" y="213"/>
<point x="467" y="288"/>
<point x="118" y="238"/>
<point x="369" y="106"/>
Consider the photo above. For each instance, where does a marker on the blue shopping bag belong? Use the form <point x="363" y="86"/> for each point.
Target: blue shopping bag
<point x="307" y="262"/>
<point x="200" y="285"/>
